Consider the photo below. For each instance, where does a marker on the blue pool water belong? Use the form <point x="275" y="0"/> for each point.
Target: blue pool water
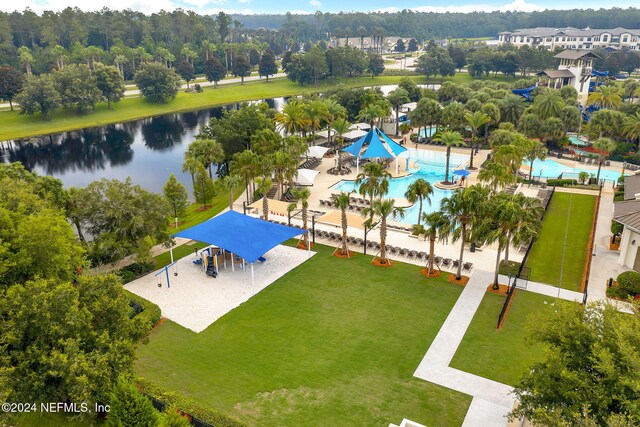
<point x="577" y="141"/>
<point x="427" y="132"/>
<point x="430" y="166"/>
<point x="549" y="168"/>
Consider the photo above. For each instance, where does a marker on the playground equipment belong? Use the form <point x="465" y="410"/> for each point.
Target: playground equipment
<point x="165" y="270"/>
<point x="586" y="112"/>
<point x="525" y="92"/>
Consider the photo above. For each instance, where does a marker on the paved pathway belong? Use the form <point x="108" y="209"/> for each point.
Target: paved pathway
<point x="492" y="400"/>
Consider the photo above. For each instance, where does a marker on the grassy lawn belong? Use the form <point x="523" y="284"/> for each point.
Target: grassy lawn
<point x="502" y="355"/>
<point x="14" y="125"/>
<point x="333" y="342"/>
<point x="545" y="259"/>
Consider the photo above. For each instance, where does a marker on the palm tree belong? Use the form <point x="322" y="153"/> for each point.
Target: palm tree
<point x="632" y="127"/>
<point x="496" y="175"/>
<point x="284" y="168"/>
<point x="396" y="98"/>
<point x="292" y="118"/>
<point x="553" y="129"/>
<point x="603" y="146"/>
<point x="511" y="108"/>
<point x="335" y="111"/>
<point x="435" y="225"/>
<point x="418" y="191"/>
<point x="373" y="181"/>
<point x="463" y="209"/>
<point x="548" y="103"/>
<point x="207" y="151"/>
<point x="340" y="127"/>
<point x="303" y="194"/>
<point x="190" y="165"/>
<point x="449" y="139"/>
<point x="475" y="120"/>
<point x="370" y="113"/>
<point x="341" y="201"/>
<point x="491" y="110"/>
<point x="246" y="165"/>
<point x="229" y="183"/>
<point x="605" y="97"/>
<point x="383" y="208"/>
<point x="510" y="219"/>
<point x="536" y="151"/>
<point x="264" y="185"/>
<point x="314" y="113"/>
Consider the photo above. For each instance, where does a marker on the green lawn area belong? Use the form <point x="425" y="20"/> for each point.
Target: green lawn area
<point x="334" y="342"/>
<point x="502" y="355"/>
<point x="545" y="259"/>
<point x="13" y="125"/>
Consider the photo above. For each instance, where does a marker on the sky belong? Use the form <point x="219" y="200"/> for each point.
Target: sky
<point x="310" y="6"/>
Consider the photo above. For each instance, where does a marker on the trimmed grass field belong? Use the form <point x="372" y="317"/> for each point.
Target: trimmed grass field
<point x="502" y="355"/>
<point x="13" y="125"/>
<point x="334" y="342"/>
<point x="545" y="259"/>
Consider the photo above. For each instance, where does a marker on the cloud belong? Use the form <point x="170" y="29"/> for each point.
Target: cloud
<point x="315" y="3"/>
<point x="515" y="5"/>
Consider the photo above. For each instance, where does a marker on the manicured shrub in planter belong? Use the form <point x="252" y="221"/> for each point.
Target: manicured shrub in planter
<point x="561" y="182"/>
<point x="132" y="271"/>
<point x="629" y="283"/>
<point x="144" y="311"/>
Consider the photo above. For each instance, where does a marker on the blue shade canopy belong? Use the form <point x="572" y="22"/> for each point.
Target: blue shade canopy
<point x="376" y="148"/>
<point x="461" y="172"/>
<point x="245" y="236"/>
<point x="394" y="146"/>
<point x="354" y="149"/>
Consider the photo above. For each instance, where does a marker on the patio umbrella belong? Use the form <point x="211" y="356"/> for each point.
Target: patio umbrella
<point x="305" y="177"/>
<point x="317" y="151"/>
<point x="461" y="172"/>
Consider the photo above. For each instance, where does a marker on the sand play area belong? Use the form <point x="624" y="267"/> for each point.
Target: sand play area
<point x="196" y="300"/>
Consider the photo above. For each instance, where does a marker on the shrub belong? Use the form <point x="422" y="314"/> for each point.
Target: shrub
<point x="197" y="87"/>
<point x="629" y="283"/>
<point x="144" y="311"/>
<point x="128" y="407"/>
<point x="185" y="405"/>
<point x="616" y="227"/>
<point x="133" y="271"/>
<point x="562" y="182"/>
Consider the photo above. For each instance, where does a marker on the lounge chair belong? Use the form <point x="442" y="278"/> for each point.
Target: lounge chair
<point x="393" y="250"/>
<point x="456" y="263"/>
<point x="411" y="254"/>
<point x="437" y="260"/>
<point x="467" y="266"/>
<point x="402" y="251"/>
<point x="446" y="262"/>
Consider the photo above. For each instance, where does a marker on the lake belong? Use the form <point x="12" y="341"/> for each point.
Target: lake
<point x="147" y="150"/>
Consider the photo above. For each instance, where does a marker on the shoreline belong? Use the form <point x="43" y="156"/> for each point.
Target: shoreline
<point x="15" y="126"/>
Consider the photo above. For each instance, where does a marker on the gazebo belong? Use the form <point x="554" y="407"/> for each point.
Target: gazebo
<point x="379" y="146"/>
<point x="249" y="238"/>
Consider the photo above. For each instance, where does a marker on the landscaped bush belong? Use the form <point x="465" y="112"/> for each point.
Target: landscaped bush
<point x="629" y="283"/>
<point x="144" y="311"/>
<point x="187" y="406"/>
<point x="133" y="271"/>
<point x="616" y="227"/>
<point x="561" y="182"/>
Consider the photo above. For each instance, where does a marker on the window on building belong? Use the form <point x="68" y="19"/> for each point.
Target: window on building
<point x="625" y="39"/>
<point x="605" y="38"/>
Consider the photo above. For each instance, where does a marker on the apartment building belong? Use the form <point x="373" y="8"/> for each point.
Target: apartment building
<point x="573" y="38"/>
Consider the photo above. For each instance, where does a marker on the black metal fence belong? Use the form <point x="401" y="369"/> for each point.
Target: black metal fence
<point x="522" y="269"/>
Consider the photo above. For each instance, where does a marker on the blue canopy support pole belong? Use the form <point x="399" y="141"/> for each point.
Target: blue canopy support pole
<point x="253" y="277"/>
<point x="233" y="263"/>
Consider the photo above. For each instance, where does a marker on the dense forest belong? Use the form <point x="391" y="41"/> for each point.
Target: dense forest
<point x="172" y="30"/>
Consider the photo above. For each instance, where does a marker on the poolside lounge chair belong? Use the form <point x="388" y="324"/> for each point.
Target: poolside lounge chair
<point x="467" y="266"/>
<point x="446" y="262"/>
<point x="377" y="245"/>
<point x="393" y="250"/>
<point x="412" y="254"/>
<point x="437" y="260"/>
<point x="402" y="252"/>
<point x="456" y="263"/>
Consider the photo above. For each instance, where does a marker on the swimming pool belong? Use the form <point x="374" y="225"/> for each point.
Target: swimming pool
<point x="550" y="168"/>
<point x="427" y="132"/>
<point x="430" y="166"/>
<point x="577" y="141"/>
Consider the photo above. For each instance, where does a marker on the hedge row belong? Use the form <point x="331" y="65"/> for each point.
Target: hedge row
<point x="194" y="410"/>
<point x="145" y="311"/>
<point x="133" y="271"/>
<point x="562" y="182"/>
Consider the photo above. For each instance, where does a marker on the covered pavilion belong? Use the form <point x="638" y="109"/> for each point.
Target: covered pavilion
<point x="379" y="145"/>
<point x="247" y="237"/>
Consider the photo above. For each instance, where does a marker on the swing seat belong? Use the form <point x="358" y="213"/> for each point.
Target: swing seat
<point x="197" y="261"/>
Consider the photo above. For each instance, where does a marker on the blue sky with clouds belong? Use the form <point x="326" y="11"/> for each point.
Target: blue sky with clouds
<point x="310" y="6"/>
